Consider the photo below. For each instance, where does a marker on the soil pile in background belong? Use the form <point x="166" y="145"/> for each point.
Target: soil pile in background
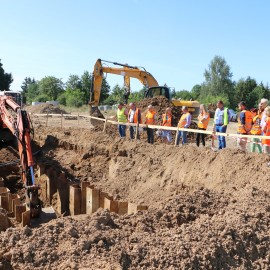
<point x="160" y="104"/>
<point x="45" y="108"/>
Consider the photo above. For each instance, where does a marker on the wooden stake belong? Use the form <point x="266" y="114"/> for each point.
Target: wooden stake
<point x="78" y="118"/>
<point x="105" y="124"/>
<point x="137" y="131"/>
<point x="47" y="120"/>
<point x="176" y="137"/>
<point x="61" y="120"/>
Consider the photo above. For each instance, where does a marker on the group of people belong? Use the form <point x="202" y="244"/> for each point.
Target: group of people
<point x="255" y="122"/>
<point x="133" y="116"/>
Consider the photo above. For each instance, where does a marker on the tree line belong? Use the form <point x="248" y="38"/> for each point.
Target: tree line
<point x="217" y="84"/>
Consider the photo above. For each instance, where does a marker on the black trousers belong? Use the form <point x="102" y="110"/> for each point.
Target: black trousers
<point x="202" y="136"/>
<point x="150" y="135"/>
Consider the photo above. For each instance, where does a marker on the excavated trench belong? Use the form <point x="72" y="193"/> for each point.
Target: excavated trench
<point x="207" y="210"/>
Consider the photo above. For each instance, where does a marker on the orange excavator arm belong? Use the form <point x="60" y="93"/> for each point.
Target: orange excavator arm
<point x="18" y="122"/>
<point x="127" y="71"/>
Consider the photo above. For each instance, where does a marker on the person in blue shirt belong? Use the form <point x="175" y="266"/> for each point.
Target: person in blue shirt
<point x="221" y="121"/>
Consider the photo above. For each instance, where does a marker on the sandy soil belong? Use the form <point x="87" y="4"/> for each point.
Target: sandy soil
<point x="207" y="210"/>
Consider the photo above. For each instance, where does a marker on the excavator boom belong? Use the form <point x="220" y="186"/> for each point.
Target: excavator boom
<point x="17" y="121"/>
<point x="147" y="79"/>
<point x="127" y="71"/>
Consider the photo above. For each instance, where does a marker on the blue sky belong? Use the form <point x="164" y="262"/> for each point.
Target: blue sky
<point x="174" y="40"/>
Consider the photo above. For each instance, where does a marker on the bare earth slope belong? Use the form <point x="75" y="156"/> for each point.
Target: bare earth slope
<point x="207" y="210"/>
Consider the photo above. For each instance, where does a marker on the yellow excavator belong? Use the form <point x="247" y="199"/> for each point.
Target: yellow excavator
<point x="147" y="79"/>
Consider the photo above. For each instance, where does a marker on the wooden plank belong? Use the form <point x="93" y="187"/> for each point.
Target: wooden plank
<point x="19" y="209"/>
<point x="26" y="218"/>
<point x="111" y="205"/>
<point x="84" y="185"/>
<point x="74" y="200"/>
<point x="11" y="197"/>
<point x="4" y="201"/>
<point x="92" y="200"/>
<point x="122" y="208"/>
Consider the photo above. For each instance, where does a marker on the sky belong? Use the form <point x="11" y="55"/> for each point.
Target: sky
<point x="174" y="40"/>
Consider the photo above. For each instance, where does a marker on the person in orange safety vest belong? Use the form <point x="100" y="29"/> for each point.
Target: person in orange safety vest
<point x="203" y="120"/>
<point x="184" y="122"/>
<point x="150" y="119"/>
<point x="256" y="129"/>
<point x="244" y="124"/>
<point x="167" y="122"/>
<point x="134" y="116"/>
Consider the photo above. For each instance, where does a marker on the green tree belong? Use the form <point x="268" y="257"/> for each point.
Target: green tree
<point x="74" y="98"/>
<point x="196" y="91"/>
<point x="137" y="96"/>
<point x="116" y="95"/>
<point x="5" y="79"/>
<point x="32" y="92"/>
<point x="86" y="80"/>
<point x="41" y="98"/>
<point x="25" y="84"/>
<point x="243" y="89"/>
<point x="62" y="99"/>
<point x="218" y="81"/>
<point x="183" y="94"/>
<point x="51" y="86"/>
<point x="74" y="82"/>
<point x="256" y="95"/>
<point x="105" y="91"/>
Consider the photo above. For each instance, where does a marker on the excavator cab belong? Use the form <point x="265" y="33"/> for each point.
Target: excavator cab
<point x="158" y="91"/>
<point x="16" y="95"/>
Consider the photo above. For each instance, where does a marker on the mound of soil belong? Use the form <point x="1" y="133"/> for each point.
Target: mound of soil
<point x="202" y="231"/>
<point x="160" y="104"/>
<point x="45" y="108"/>
<point x="4" y="221"/>
<point x="207" y="210"/>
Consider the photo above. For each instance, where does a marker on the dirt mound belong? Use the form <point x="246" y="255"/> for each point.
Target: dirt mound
<point x="4" y="221"/>
<point x="160" y="104"/>
<point x="45" y="108"/>
<point x="138" y="172"/>
<point x="202" y="231"/>
<point x="207" y="210"/>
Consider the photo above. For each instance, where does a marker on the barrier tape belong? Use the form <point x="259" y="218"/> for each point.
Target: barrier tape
<point x="161" y="127"/>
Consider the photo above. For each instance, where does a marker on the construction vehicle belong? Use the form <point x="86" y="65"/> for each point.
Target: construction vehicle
<point x="147" y="79"/>
<point x="15" y="125"/>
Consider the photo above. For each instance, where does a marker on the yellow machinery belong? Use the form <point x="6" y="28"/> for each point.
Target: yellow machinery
<point x="146" y="78"/>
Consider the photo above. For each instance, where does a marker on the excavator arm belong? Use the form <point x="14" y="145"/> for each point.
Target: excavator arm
<point x="17" y="121"/>
<point x="127" y="71"/>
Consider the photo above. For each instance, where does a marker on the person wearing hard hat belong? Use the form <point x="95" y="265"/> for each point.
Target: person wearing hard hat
<point x="122" y="114"/>
<point x="150" y="119"/>
<point x="134" y="116"/>
<point x="184" y="122"/>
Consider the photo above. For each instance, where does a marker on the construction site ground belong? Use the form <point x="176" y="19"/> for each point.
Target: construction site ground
<point x="206" y="209"/>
